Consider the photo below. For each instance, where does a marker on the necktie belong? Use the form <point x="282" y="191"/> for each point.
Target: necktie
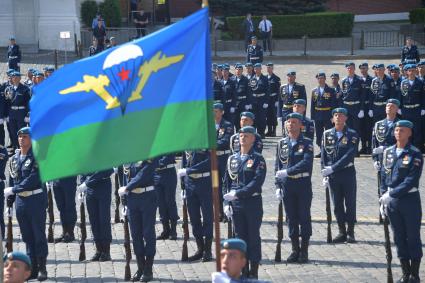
<point x="265" y="26"/>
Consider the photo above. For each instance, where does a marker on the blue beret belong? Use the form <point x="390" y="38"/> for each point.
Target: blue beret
<point x="10" y="71"/>
<point x="214" y="66"/>
<point x="16" y="74"/>
<point x="45" y="68"/>
<point x="253" y="37"/>
<point x="218" y="106"/>
<point x="31" y="70"/>
<point x="257" y="65"/>
<point x="291" y="73"/>
<point x="18" y="256"/>
<point x="335" y="75"/>
<point x="269" y="64"/>
<point x="295" y="115"/>
<point x="390" y="66"/>
<point x="409" y="66"/>
<point x="39" y="74"/>
<point x="394" y="101"/>
<point x="364" y="64"/>
<point x="226" y="67"/>
<point x="421" y="63"/>
<point x="248" y="130"/>
<point x="404" y="123"/>
<point x="238" y="66"/>
<point x="219" y="67"/>
<point x="234" y="244"/>
<point x="350" y="64"/>
<point x="248" y="64"/>
<point x="12" y="38"/>
<point x="340" y="110"/>
<point x="248" y="114"/>
<point x="395" y="68"/>
<point x="300" y="101"/>
<point x="374" y="66"/>
<point x="24" y="131"/>
<point x="320" y="74"/>
<point x="380" y="65"/>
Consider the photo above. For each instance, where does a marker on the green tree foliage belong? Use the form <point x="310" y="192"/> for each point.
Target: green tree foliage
<point x="88" y="12"/>
<point x="111" y="13"/>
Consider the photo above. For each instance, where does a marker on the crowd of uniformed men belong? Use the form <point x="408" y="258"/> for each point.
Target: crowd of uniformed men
<point x="384" y="112"/>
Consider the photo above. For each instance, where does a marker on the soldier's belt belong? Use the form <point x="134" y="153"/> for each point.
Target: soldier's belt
<point x="241" y="97"/>
<point x="142" y="190"/>
<point x="412" y="190"/>
<point x="299" y="175"/>
<point x="322" y="108"/>
<point x="30" y="193"/>
<point x="273" y="94"/>
<point x="18" y="107"/>
<point x="199" y="175"/>
<point x="165" y="167"/>
<point x="258" y="94"/>
<point x="411" y="106"/>
<point x="351" y="102"/>
<point x="254" y="57"/>
<point x="287" y="106"/>
<point x="379" y="103"/>
<point x="217" y="101"/>
<point x="223" y="152"/>
<point x="228" y="100"/>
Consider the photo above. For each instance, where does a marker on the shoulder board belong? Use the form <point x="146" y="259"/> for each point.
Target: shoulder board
<point x="414" y="149"/>
<point x="298" y="84"/>
<point x="307" y="139"/>
<point x="327" y="131"/>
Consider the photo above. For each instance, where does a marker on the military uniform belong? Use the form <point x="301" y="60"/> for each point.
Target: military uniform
<point x="289" y="93"/>
<point x="274" y="87"/>
<point x="243" y="98"/>
<point x="229" y="98"/>
<point x="254" y="54"/>
<point x="323" y="101"/>
<point x="352" y="99"/>
<point x="381" y="90"/>
<point x="236" y="147"/>
<point x="13" y="57"/>
<point x="3" y="161"/>
<point x="260" y="99"/>
<point x="3" y="110"/>
<point x="217" y="91"/>
<point x="383" y="135"/>
<point x="367" y="122"/>
<point x="411" y="53"/>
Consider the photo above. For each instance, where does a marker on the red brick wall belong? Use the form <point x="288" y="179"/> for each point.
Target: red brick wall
<point x="183" y="8"/>
<point x="364" y="7"/>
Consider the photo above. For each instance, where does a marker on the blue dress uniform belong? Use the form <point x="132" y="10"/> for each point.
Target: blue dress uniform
<point x="366" y="124"/>
<point x="323" y="101"/>
<point x="31" y="205"/>
<point x="410" y="53"/>
<point x="64" y="192"/>
<point x="297" y="158"/>
<point x="383" y="135"/>
<point x="243" y="97"/>
<point x="401" y="172"/>
<point x="98" y="200"/>
<point x="217" y="91"/>
<point x="254" y="54"/>
<point x="339" y="152"/>
<point x="142" y="204"/>
<point x="236" y="147"/>
<point x="229" y="98"/>
<point x="352" y="100"/>
<point x="274" y="87"/>
<point x="260" y="97"/>
<point x="13" y="57"/>
<point x="199" y="200"/>
<point x="165" y="187"/>
<point x="245" y="175"/>
<point x="3" y="110"/>
<point x="287" y="96"/>
<point x="382" y="90"/>
<point x="3" y="161"/>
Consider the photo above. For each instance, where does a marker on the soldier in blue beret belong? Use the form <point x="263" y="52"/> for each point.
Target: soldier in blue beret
<point x="395" y="76"/>
<point x="421" y="70"/>
<point x="17" y="267"/>
<point x="307" y="128"/>
<point x="254" y="52"/>
<point x="335" y="85"/>
<point x="233" y="260"/>
<point x="219" y="71"/>
<point x="29" y="82"/>
<point x="246" y="119"/>
<point x="259" y="85"/>
<point x="323" y="101"/>
<point x="274" y="87"/>
<point x="38" y="77"/>
<point x="339" y="147"/>
<point x="31" y="203"/>
<point x="249" y="70"/>
<point x="293" y="167"/>
<point x="410" y="51"/>
<point x="245" y="175"/>
<point x="214" y="67"/>
<point x="13" y="55"/>
<point x="400" y="201"/>
<point x="366" y="123"/>
<point x="229" y="94"/>
<point x="242" y="93"/>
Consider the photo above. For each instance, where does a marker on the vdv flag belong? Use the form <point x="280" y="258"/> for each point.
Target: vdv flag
<point x="136" y="101"/>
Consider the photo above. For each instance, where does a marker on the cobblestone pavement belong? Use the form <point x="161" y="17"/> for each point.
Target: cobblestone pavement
<point x="361" y="262"/>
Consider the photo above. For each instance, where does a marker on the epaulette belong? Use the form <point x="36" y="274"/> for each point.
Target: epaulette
<point x="415" y="149"/>
<point x="296" y="83"/>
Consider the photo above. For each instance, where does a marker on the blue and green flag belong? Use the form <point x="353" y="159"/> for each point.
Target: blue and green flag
<point x="139" y="100"/>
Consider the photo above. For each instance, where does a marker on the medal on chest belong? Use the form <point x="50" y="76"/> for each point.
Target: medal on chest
<point x="404" y="87"/>
<point x="345" y="87"/>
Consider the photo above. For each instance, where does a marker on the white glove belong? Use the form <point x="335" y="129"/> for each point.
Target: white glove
<point x="279" y="194"/>
<point x="385" y="198"/>
<point x="383" y="210"/>
<point x="82" y="188"/>
<point x="361" y="114"/>
<point x="370" y="113"/>
<point x="181" y="172"/>
<point x="247" y="107"/>
<point x="281" y="174"/>
<point x="228" y="211"/>
<point x="279" y="119"/>
<point x="122" y="191"/>
<point x="7" y="119"/>
<point x="276" y="104"/>
<point x="250" y="106"/>
<point x="378" y="150"/>
<point x="377" y="165"/>
<point x="1" y="121"/>
<point x="265" y="105"/>
<point x="230" y="196"/>
<point x="183" y="194"/>
<point x="325" y="181"/>
<point x="399" y="111"/>
<point x="115" y="170"/>
<point x="232" y="109"/>
<point x="27" y="119"/>
<point x="327" y="171"/>
<point x="422" y="112"/>
<point x="8" y="192"/>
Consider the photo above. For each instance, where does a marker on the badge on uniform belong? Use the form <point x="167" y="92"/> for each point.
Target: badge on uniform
<point x="27" y="163"/>
<point x="404" y="87"/>
<point x="300" y="148"/>
<point x="249" y="163"/>
<point x="405" y="160"/>
<point x="295" y="94"/>
<point x="315" y="96"/>
<point x="344" y="140"/>
<point x="327" y="95"/>
<point x="345" y="86"/>
<point x="221" y="132"/>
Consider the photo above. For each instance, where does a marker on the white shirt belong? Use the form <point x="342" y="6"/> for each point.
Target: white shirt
<point x="290" y="88"/>
<point x="339" y="134"/>
<point x="321" y="89"/>
<point x="265" y="25"/>
<point x="411" y="82"/>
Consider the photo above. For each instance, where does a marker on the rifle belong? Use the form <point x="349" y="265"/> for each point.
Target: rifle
<point x="127" y="248"/>
<point x="388" y="252"/>
<point x="9" y="239"/>
<point x="185" y="224"/>
<point x="229" y="227"/>
<point x="83" y="230"/>
<point x="278" y="254"/>
<point x="50" y="211"/>
<point x="328" y="212"/>
<point x="117" y="199"/>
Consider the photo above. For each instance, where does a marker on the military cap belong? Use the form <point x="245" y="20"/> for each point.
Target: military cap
<point x="24" y="131"/>
<point x="395" y="68"/>
<point x="364" y="64"/>
<point x="45" y="68"/>
<point x="237" y="63"/>
<point x="380" y="66"/>
<point x="239" y="66"/>
<point x="390" y="66"/>
<point x="375" y="66"/>
<point x="16" y="74"/>
<point x="291" y="73"/>
<point x="421" y="63"/>
<point x="295" y="115"/>
<point x="248" y="64"/>
<point x="300" y="101"/>
<point x="248" y="114"/>
<point x="219" y="67"/>
<point x="12" y="38"/>
<point x="226" y="67"/>
<point x="409" y="66"/>
<point x="340" y="110"/>
<point x="234" y="244"/>
<point x="39" y="74"/>
<point x="214" y="66"/>
<point x="410" y="61"/>
<point x="18" y="256"/>
<point x="253" y="37"/>
<point x="269" y="64"/>
<point x="31" y="70"/>
<point x="218" y="106"/>
<point x="394" y="101"/>
<point x="335" y="75"/>
<point x="349" y="64"/>
<point x="404" y="123"/>
<point x="257" y="65"/>
<point x="10" y="71"/>
<point x="247" y="130"/>
<point x="320" y="74"/>
<point x="50" y="69"/>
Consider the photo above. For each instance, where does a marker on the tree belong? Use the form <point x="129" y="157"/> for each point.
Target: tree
<point x="111" y="13"/>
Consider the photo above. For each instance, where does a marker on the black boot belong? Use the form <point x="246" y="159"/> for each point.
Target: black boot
<point x="405" y="268"/>
<point x="42" y="272"/>
<point x="414" y="271"/>
<point x="342" y="235"/>
<point x="303" y="258"/>
<point x="350" y="234"/>
<point x="140" y="267"/>
<point x="253" y="272"/>
<point x="173" y="231"/>
<point x="60" y="238"/>
<point x="147" y="271"/>
<point x="69" y="234"/>
<point x="293" y="257"/>
<point x="106" y="252"/>
<point x="165" y="231"/>
<point x="207" y="250"/>
<point x="34" y="268"/>
<point x="98" y="252"/>
<point x="273" y="134"/>
<point x="200" y="251"/>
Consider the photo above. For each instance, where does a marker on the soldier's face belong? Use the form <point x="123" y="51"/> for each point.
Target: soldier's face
<point x="335" y="80"/>
<point x="339" y="118"/>
<point x="246" y="139"/>
<point x="246" y="121"/>
<point x="380" y="72"/>
<point x="364" y="70"/>
<point x="254" y="42"/>
<point x="408" y="42"/>
<point x="391" y="109"/>
<point x="395" y="74"/>
<point x="269" y="69"/>
<point x="402" y="134"/>
<point x="219" y="73"/>
<point x="15" y="271"/>
<point x="24" y="141"/>
<point x="293" y="125"/>
<point x="239" y="71"/>
<point x="16" y="79"/>
<point x="421" y="70"/>
<point x="257" y="71"/>
<point x="249" y="69"/>
<point x="298" y="108"/>
<point x="350" y="70"/>
<point x="232" y="262"/>
<point x="321" y="80"/>
<point x="291" y="79"/>
<point x="218" y="114"/>
<point x="411" y="73"/>
<point x="39" y="79"/>
<point x="226" y="73"/>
